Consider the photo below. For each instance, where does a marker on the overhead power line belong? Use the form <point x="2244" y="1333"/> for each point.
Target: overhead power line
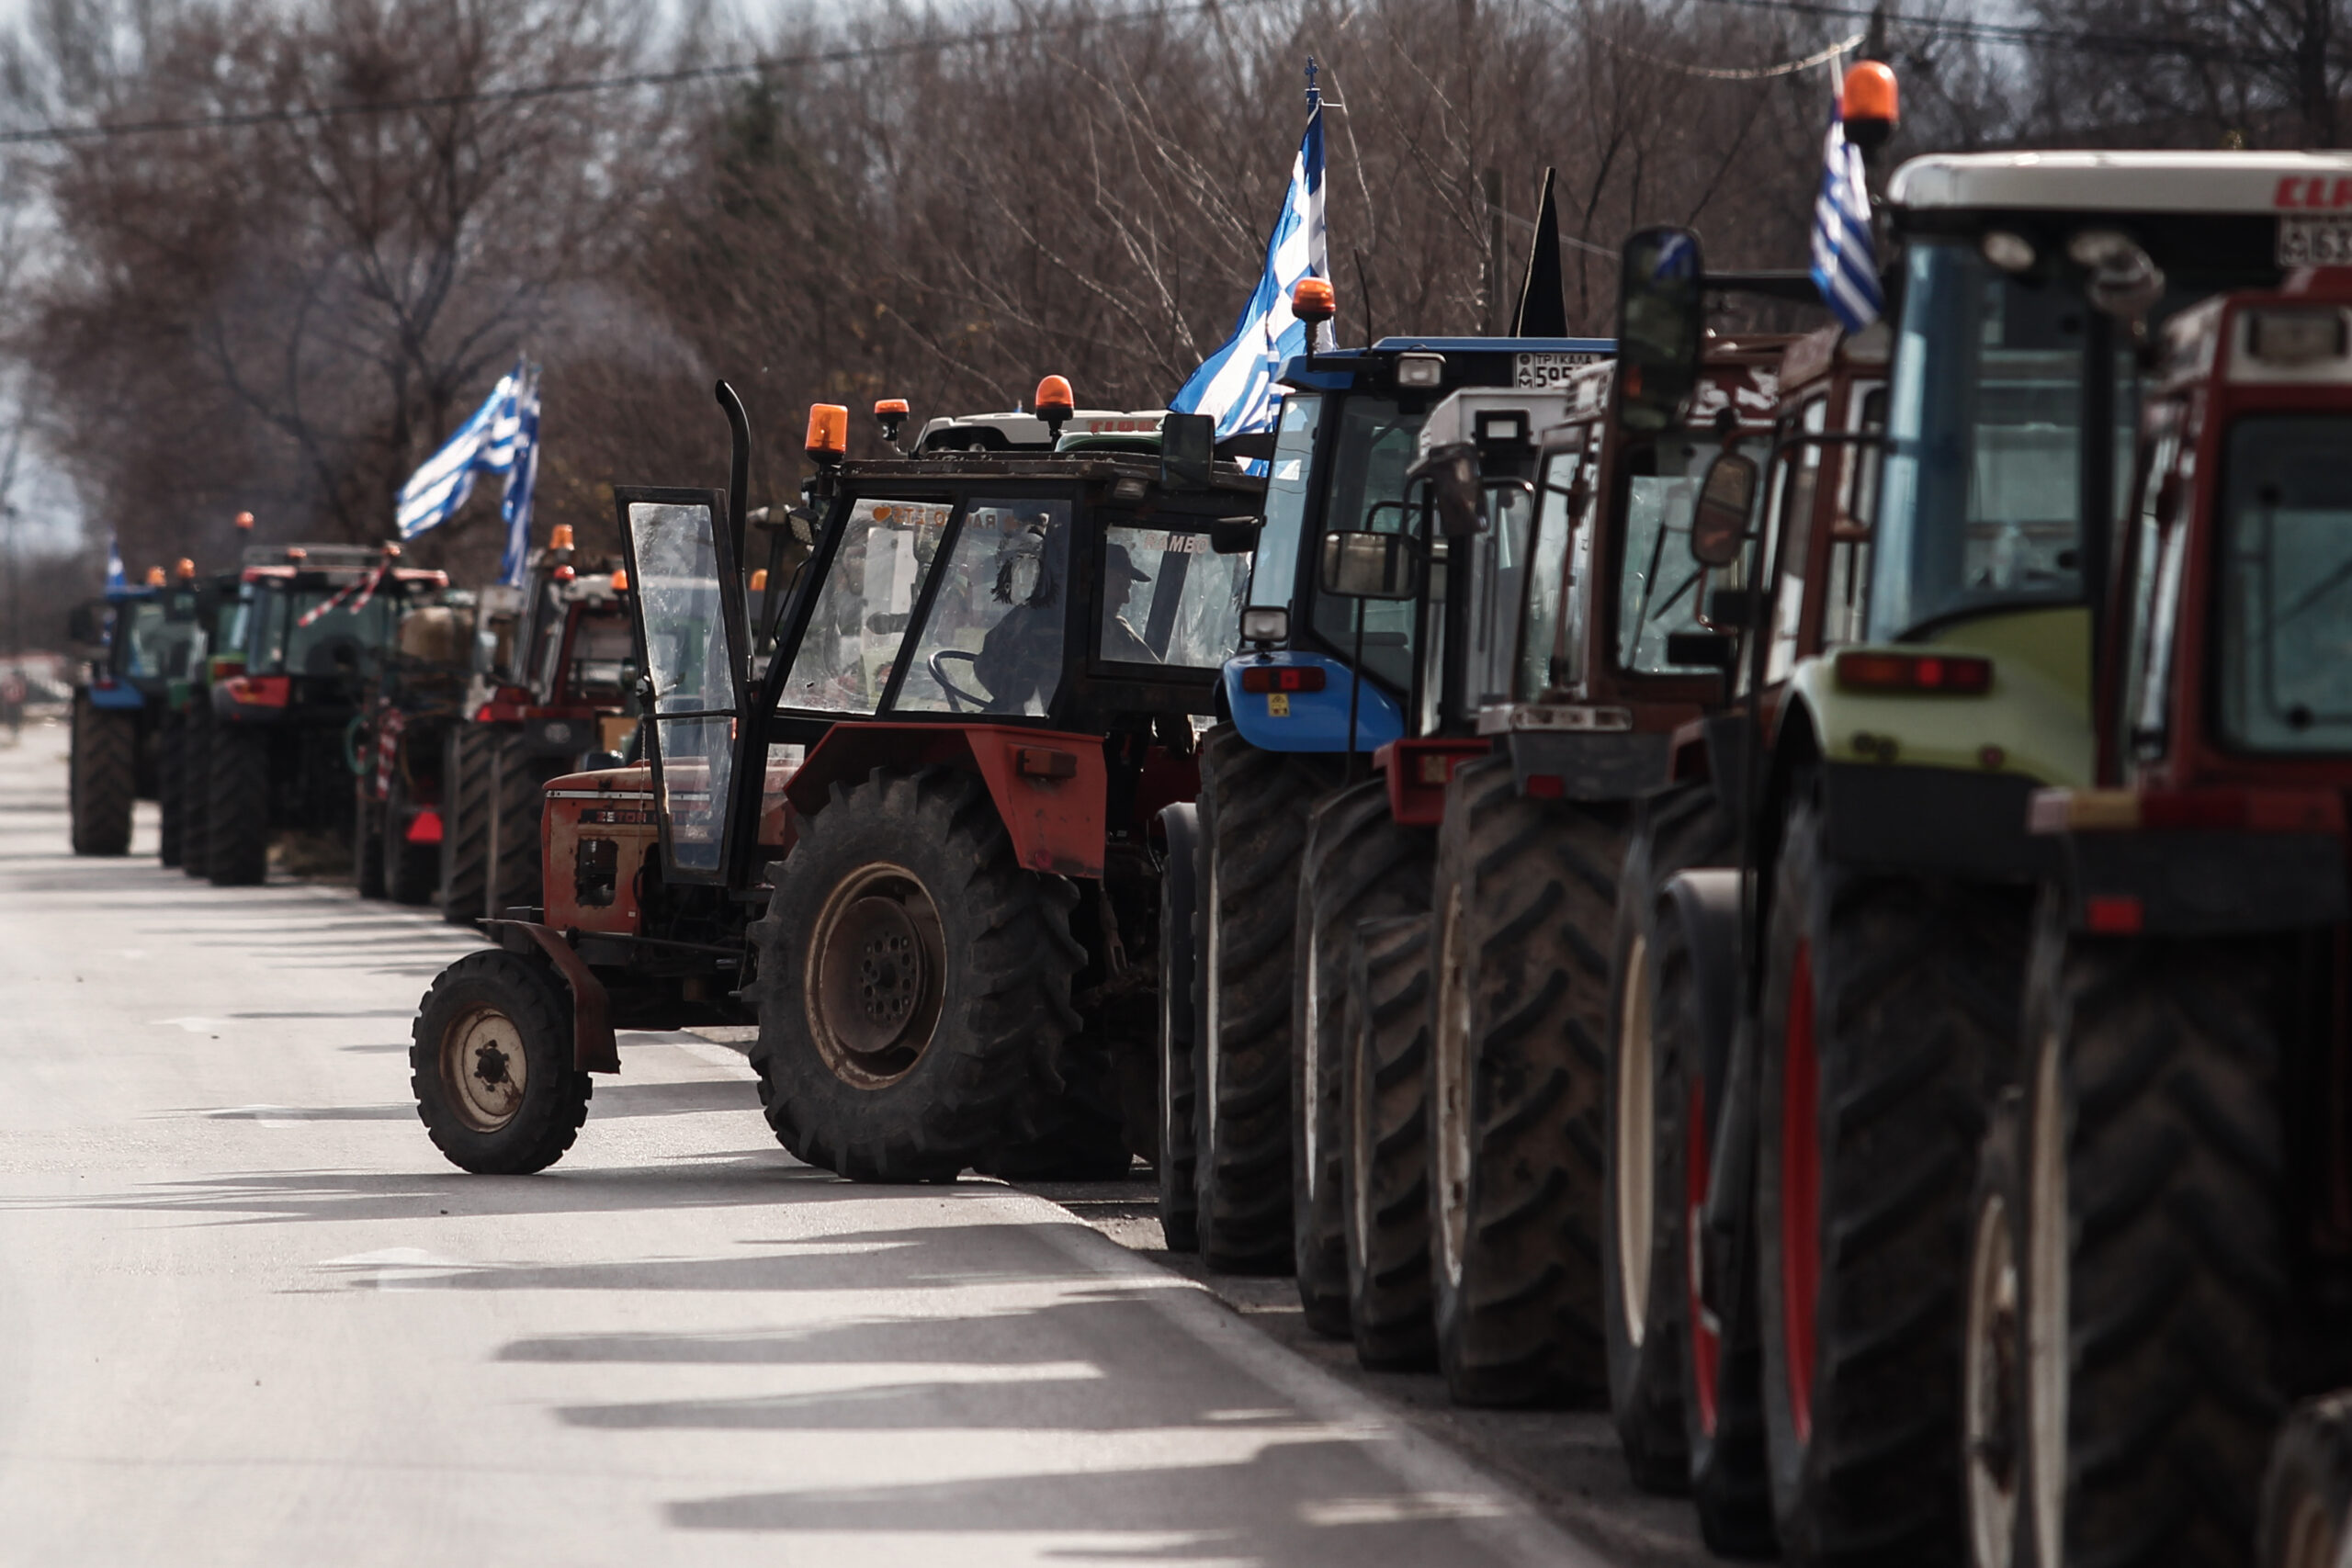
<point x="763" y="65"/>
<point x="2014" y="33"/>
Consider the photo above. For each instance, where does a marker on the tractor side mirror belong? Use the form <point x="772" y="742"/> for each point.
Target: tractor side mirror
<point x="1187" y="451"/>
<point x="1719" y="523"/>
<point x="1661" y="322"/>
<point x="1234" y="535"/>
<point x="1361" y="564"/>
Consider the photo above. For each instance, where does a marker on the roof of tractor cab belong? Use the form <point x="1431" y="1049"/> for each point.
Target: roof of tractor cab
<point x="2126" y="182"/>
<point x="1020" y="429"/>
<point x="1079" y="467"/>
<point x="308" y="576"/>
<point x="1344" y="369"/>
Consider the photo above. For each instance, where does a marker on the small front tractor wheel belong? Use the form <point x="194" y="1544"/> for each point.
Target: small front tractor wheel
<point x="914" y="983"/>
<point x="465" y="825"/>
<point x="2307" y="1495"/>
<point x="492" y="1065"/>
<point x="104" y="777"/>
<point x="236" y="826"/>
<point x="1177" y="1158"/>
<point x="1384" y="1174"/>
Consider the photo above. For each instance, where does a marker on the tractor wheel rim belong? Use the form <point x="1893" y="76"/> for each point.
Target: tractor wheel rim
<point x="1800" y="1193"/>
<point x="2046" y="1307"/>
<point x="485" y="1068"/>
<point x="1988" y="1415"/>
<point x="1310" y="1062"/>
<point x="1453" y="1099"/>
<point x="1636" y="1151"/>
<point x="877" y="975"/>
<point x="1706" y="1334"/>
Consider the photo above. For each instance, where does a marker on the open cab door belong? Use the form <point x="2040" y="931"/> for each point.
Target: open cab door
<point x="690" y="636"/>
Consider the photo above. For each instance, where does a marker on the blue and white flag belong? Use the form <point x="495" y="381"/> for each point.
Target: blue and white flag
<point x="116" y="581"/>
<point x="1844" y="260"/>
<point x="489" y="442"/>
<point x="1237" y="382"/>
<point x="522" y="474"/>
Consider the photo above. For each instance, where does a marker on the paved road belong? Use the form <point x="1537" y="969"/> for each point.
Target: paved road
<point x="248" y="1315"/>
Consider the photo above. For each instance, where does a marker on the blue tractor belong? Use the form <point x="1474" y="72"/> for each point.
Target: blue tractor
<point x="118" y="704"/>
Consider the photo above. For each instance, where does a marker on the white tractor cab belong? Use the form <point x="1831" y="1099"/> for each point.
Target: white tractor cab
<point x="1050" y="430"/>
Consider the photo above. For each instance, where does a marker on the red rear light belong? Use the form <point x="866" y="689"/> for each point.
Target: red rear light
<point x="424" y="828"/>
<point x="2113" y="914"/>
<point x="261" y="691"/>
<point x="1545" y="786"/>
<point x="1282" y="678"/>
<point x="1929" y="674"/>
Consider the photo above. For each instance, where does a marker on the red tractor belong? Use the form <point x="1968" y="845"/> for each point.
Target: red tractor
<point x="912" y="847"/>
<point x="2162" y="1236"/>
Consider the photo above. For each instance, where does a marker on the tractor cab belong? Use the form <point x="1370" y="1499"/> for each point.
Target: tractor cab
<point x="314" y="622"/>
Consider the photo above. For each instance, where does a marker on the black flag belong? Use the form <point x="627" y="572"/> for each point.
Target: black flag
<point x="1542" y="299"/>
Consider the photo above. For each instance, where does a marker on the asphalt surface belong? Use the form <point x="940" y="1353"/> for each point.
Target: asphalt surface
<point x="248" y="1315"/>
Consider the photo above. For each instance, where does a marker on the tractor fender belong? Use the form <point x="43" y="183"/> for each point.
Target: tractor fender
<point x="1050" y="787"/>
<point x="593" y="1049"/>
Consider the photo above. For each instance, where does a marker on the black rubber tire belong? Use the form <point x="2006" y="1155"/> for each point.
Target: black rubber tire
<point x="516" y="805"/>
<point x="1992" y="1374"/>
<point x="1384" y="1182"/>
<point x="1178" y="1156"/>
<point x="1007" y="961"/>
<point x="410" y="870"/>
<point x="2154" y="1154"/>
<point x="1726" y="1468"/>
<point x="171" y="791"/>
<point x="1254" y="810"/>
<point x="102" y="777"/>
<point x="1524" y="901"/>
<point x="465" y="824"/>
<point x="196" y="778"/>
<point x="1360" y="863"/>
<point x="1909" y="1011"/>
<point x="537" y="1010"/>
<point x="237" y="813"/>
<point x="1672" y="832"/>
<point x="1076" y="1132"/>
<point x="368" y="856"/>
<point x="2307" y="1491"/>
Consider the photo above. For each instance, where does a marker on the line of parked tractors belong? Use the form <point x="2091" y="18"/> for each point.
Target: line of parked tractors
<point x="1678" y="872"/>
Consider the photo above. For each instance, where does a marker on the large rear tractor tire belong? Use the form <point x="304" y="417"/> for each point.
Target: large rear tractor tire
<point x="1179" y="1042"/>
<point x="1359" y="864"/>
<point x="237" y="813"/>
<point x="1642" y="1269"/>
<point x="1254" y="811"/>
<point x="2154" y="1254"/>
<point x="491" y="1065"/>
<point x="103" y="778"/>
<point x="914" y="982"/>
<point x="196" y="784"/>
<point x="171" y="789"/>
<point x="1525" y="898"/>
<point x="2307" y="1494"/>
<point x="1890" y="1003"/>
<point x="516" y="803"/>
<point x="1384" y="1175"/>
<point x="465" y="824"/>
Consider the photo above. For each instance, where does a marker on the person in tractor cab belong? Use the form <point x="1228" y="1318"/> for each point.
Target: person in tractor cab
<point x="1120" y="575"/>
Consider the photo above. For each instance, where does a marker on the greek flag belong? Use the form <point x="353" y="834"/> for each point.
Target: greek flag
<point x="521" y="475"/>
<point x="116" y="581"/>
<point x="1845" y="262"/>
<point x="1237" y="382"/>
<point x="489" y="442"/>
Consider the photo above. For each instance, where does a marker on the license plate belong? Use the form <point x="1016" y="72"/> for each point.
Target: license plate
<point x="1546" y="371"/>
<point x="2315" y="241"/>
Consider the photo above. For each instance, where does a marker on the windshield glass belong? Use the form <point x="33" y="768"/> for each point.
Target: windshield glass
<point x="1167" y="599"/>
<point x="1371" y="448"/>
<point x="2285" y="666"/>
<point x="1981" y="493"/>
<point x="1547" y="575"/>
<point x="338" y="641"/>
<point x="861" y="617"/>
<point x="153" y="646"/>
<point x="1501" y="581"/>
<point x="1660" y="589"/>
<point x="993" y="640"/>
<point x="601" y="658"/>
<point x="1276" y="574"/>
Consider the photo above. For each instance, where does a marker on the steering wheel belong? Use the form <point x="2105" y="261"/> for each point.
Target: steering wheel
<point x="956" y="696"/>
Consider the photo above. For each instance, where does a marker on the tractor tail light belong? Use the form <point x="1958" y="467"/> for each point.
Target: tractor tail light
<point x="2113" y="914"/>
<point x="1281" y="678"/>
<point x="424" y="828"/>
<point x="1045" y="763"/>
<point x="1915" y="674"/>
<point x="261" y="691"/>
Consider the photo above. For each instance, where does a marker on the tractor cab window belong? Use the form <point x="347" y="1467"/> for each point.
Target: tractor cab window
<point x="1375" y="446"/>
<point x="1275" y="574"/>
<point x="1168" y="599"/>
<point x="1551" y="640"/>
<point x="2154" y="558"/>
<point x="992" y="642"/>
<point x="1498" y="592"/>
<point x="1660" y="589"/>
<point x="601" y="656"/>
<point x="848" y="653"/>
<point x="140" y="635"/>
<point x="315" y="631"/>
<point x="682" y="606"/>
<point x="2285" y="666"/>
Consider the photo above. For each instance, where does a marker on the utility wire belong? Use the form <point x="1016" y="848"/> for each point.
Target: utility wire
<point x="2013" y="33"/>
<point x="527" y="92"/>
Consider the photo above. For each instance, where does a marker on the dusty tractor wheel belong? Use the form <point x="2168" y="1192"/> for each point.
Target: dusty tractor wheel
<point x="1641" y="1266"/>
<point x="1991" y="1367"/>
<point x="1179" y="1045"/>
<point x="236" y="816"/>
<point x="465" y="825"/>
<point x="1253" y="809"/>
<point x="1889" y="1003"/>
<point x="490" y="1065"/>
<point x="196" y="779"/>
<point x="1525" y="895"/>
<point x="2155" y="1254"/>
<point x="1359" y="864"/>
<point x="1384" y="1173"/>
<point x="516" y="804"/>
<point x="2307" y="1494"/>
<point x="914" y="982"/>
<point x="171" y="791"/>
<point x="409" y="869"/>
<point x="102" y="777"/>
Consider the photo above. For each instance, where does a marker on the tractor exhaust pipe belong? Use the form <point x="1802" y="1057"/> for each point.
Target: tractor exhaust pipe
<point x="738" y="467"/>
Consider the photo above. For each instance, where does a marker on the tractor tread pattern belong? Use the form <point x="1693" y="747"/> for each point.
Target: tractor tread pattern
<point x="465" y="827"/>
<point x="1385" y="1185"/>
<point x="105" y="777"/>
<point x="529" y="990"/>
<point x="236" y="826"/>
